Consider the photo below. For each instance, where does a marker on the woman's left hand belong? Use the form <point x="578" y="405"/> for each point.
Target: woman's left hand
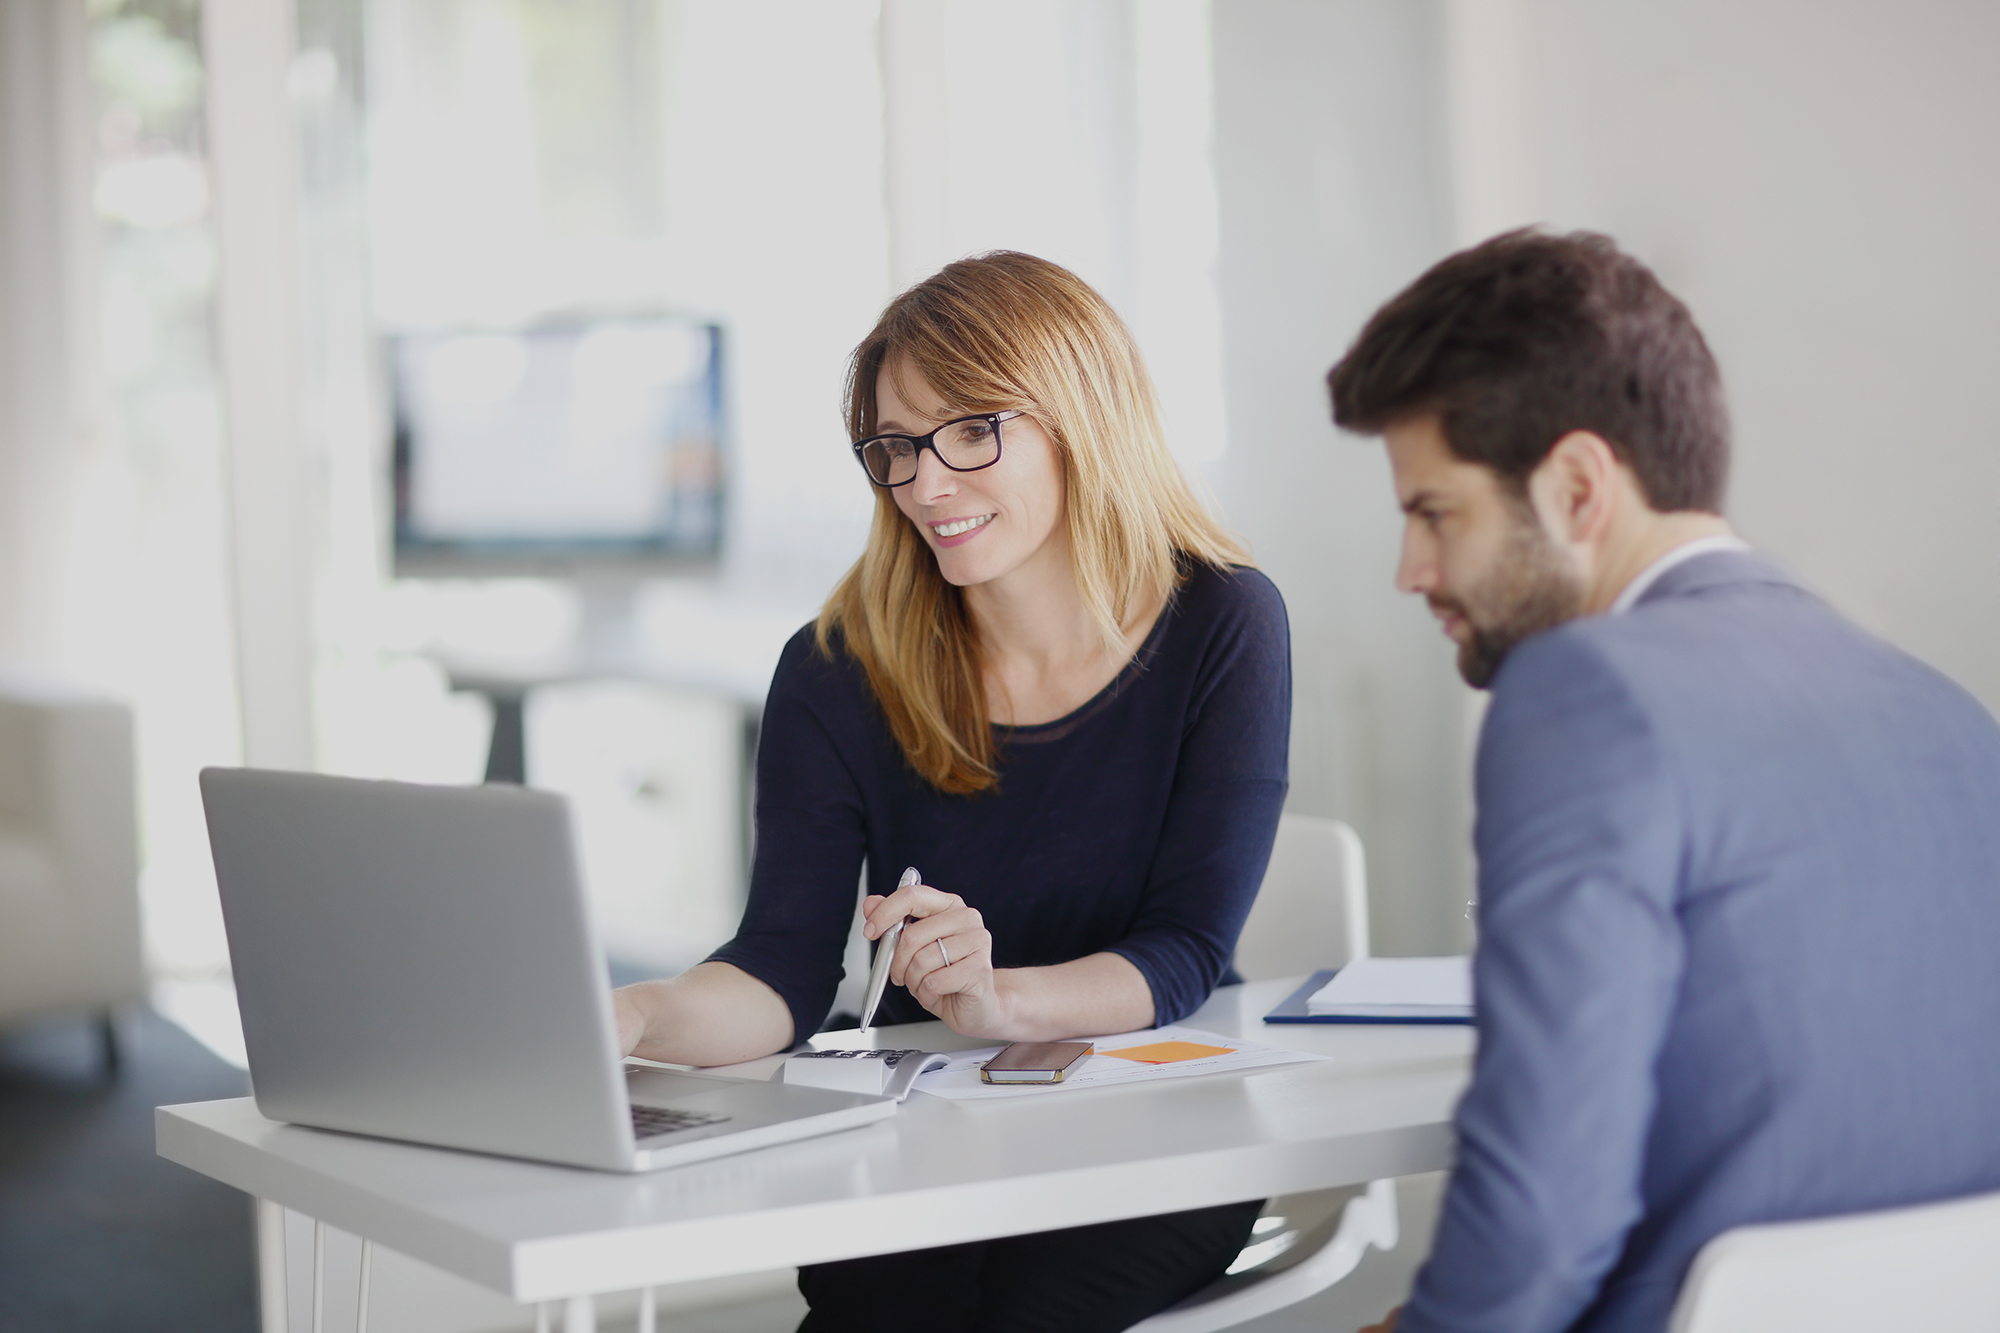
<point x="944" y="958"/>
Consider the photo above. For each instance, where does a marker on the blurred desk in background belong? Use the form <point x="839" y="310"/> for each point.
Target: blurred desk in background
<point x="703" y="642"/>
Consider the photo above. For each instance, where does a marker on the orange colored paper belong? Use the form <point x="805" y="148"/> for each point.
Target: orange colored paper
<point x="1166" y="1052"/>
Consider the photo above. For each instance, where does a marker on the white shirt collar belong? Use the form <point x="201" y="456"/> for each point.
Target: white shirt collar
<point x="1679" y="555"/>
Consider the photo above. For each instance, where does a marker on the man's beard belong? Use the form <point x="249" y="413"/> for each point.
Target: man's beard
<point x="1529" y="589"/>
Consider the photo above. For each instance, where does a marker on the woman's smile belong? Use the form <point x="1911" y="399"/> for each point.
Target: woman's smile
<point x="958" y="531"/>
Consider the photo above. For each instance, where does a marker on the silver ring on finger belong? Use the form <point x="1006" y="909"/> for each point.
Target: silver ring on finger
<point x="941" y="953"/>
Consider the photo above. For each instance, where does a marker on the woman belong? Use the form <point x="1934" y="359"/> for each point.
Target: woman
<point x="1052" y="683"/>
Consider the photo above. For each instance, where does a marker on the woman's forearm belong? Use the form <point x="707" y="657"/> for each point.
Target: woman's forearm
<point x="1095" y="995"/>
<point x="712" y="1014"/>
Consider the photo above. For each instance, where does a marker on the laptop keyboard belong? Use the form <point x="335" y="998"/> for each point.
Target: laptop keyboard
<point x="652" y="1121"/>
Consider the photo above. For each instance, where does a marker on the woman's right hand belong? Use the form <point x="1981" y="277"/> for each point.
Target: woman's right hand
<point x="1100" y="992"/>
<point x="944" y="957"/>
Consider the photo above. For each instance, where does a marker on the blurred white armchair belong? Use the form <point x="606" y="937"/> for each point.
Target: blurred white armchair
<point x="69" y="866"/>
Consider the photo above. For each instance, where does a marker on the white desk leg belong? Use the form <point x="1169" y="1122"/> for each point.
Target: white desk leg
<point x="361" y="1296"/>
<point x="319" y="1275"/>
<point x="580" y="1315"/>
<point x="274" y="1314"/>
<point x="649" y="1307"/>
<point x="541" y="1317"/>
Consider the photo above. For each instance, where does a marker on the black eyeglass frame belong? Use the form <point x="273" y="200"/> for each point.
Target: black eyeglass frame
<point x="923" y="442"/>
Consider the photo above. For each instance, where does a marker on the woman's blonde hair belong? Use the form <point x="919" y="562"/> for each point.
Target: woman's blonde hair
<point x="994" y="333"/>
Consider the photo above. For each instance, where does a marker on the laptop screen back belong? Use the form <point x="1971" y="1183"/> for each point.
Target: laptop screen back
<point x="417" y="962"/>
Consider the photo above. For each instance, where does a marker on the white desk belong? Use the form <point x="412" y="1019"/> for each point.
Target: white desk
<point x="937" y="1173"/>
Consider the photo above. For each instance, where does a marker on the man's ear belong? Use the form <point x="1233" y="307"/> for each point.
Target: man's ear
<point x="1577" y="488"/>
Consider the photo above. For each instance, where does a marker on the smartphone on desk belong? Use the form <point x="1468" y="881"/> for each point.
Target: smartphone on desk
<point x="1035" y="1062"/>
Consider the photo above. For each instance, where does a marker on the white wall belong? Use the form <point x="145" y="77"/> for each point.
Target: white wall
<point x="1077" y="130"/>
<point x="47" y="335"/>
<point x="1331" y="170"/>
<point x="247" y="50"/>
<point x="1816" y="180"/>
<point x="1819" y="182"/>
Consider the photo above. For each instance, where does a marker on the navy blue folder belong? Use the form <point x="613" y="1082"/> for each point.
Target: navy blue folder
<point x="1293" y="1010"/>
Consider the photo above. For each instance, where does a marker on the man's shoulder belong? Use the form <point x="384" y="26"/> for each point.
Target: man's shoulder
<point x="1726" y="607"/>
<point x="1728" y="636"/>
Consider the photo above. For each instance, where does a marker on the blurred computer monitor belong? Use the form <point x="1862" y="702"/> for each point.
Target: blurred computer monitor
<point x="558" y="448"/>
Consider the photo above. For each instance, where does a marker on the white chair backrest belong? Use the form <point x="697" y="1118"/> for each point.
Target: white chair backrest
<point x="1935" y="1267"/>
<point x="1312" y="911"/>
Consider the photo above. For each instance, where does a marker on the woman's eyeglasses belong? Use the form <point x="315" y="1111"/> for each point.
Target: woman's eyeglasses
<point x="964" y="445"/>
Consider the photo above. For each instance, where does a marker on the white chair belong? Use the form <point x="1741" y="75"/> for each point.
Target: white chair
<point x="1312" y="909"/>
<point x="69" y="867"/>
<point x="1311" y="913"/>
<point x="1935" y="1267"/>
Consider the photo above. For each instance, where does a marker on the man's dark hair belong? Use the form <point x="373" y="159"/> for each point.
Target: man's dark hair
<point x="1526" y="337"/>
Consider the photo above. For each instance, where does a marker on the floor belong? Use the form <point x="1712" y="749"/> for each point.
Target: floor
<point x="97" y="1233"/>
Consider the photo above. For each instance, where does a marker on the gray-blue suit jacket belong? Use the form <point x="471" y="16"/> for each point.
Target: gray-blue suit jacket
<point x="1739" y="955"/>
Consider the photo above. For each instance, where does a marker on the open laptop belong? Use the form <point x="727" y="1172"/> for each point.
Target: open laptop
<point x="417" y="962"/>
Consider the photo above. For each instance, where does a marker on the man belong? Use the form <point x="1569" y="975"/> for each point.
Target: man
<point x="1739" y="863"/>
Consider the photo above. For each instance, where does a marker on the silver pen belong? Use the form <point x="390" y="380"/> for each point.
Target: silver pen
<point x="885" y="953"/>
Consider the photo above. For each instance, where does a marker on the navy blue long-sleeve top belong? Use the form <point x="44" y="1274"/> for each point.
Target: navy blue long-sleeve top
<point x="1139" y="824"/>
